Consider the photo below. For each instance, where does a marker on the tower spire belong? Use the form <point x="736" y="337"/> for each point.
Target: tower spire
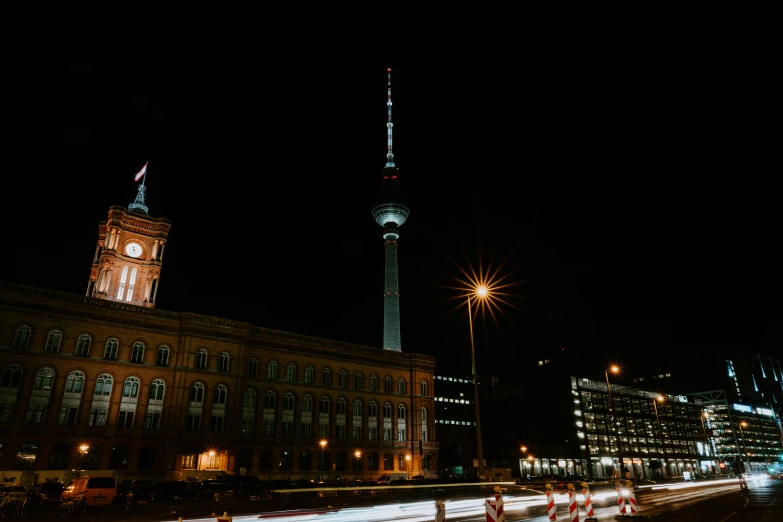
<point x="140" y="205"/>
<point x="389" y="124"/>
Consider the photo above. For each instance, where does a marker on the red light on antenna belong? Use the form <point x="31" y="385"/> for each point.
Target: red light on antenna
<point x="388" y="70"/>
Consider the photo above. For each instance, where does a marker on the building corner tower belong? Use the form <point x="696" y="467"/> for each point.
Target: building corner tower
<point x="129" y="254"/>
<point x="390" y="214"/>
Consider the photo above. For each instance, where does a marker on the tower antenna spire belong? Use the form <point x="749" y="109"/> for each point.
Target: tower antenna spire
<point x="389" y="124"/>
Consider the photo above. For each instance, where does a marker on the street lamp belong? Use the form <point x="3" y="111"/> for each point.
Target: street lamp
<point x="523" y="449"/>
<point x="744" y="424"/>
<point x="83" y="449"/>
<point x="658" y="399"/>
<point x="615" y="370"/>
<point x="408" y="465"/>
<point x="358" y="455"/>
<point x="323" y="443"/>
<point x="481" y="292"/>
<point x="530" y="463"/>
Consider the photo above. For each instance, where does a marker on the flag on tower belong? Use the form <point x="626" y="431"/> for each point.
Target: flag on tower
<point x="141" y="172"/>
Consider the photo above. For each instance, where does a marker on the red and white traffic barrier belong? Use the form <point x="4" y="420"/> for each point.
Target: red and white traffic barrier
<point x="588" y="503"/>
<point x="620" y="498"/>
<point x="550" y="503"/>
<point x="573" y="509"/>
<point x="440" y="511"/>
<point x="494" y="509"/>
<point x="632" y="499"/>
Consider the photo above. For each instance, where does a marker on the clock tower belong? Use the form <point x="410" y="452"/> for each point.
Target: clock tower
<point x="129" y="255"/>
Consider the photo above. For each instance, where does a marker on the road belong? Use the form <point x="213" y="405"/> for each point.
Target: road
<point x="709" y="501"/>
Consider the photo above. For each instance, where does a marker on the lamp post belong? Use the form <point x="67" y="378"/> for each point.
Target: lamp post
<point x="83" y="450"/>
<point x="323" y="443"/>
<point x="614" y="369"/>
<point x="481" y="291"/>
<point x="744" y="424"/>
<point x="523" y="449"/>
<point x="530" y="463"/>
<point x="658" y="399"/>
<point x="358" y="455"/>
<point x="408" y="465"/>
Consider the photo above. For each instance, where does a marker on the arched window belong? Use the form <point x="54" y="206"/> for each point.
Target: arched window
<point x="22" y="337"/>
<point x="223" y="361"/>
<point x="373" y="383"/>
<point x="341" y="407"/>
<point x="308" y="375"/>
<point x="357" y="408"/>
<point x="288" y="402"/>
<point x="163" y="356"/>
<point x="343" y="379"/>
<point x="110" y="350"/>
<point x="103" y="386"/>
<point x="290" y="373"/>
<point x="156" y="390"/>
<point x="252" y="367"/>
<point x="387" y="385"/>
<point x="271" y="370"/>
<point x="424" y="424"/>
<point x="131" y="388"/>
<point x="44" y="379"/>
<point x="324" y="405"/>
<point x="326" y="377"/>
<point x="372" y="410"/>
<point x="400" y="412"/>
<point x="196" y="392"/>
<point x="249" y="398"/>
<point x="423" y="388"/>
<point x="307" y="403"/>
<point x="387" y="411"/>
<point x="219" y="394"/>
<point x="201" y="359"/>
<point x="53" y="341"/>
<point x="358" y="381"/>
<point x="12" y="375"/>
<point x="83" y="346"/>
<point x="137" y="353"/>
<point x="269" y="400"/>
<point x="75" y="382"/>
<point x="401" y="387"/>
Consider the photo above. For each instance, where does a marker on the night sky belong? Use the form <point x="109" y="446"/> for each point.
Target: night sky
<point x="624" y="181"/>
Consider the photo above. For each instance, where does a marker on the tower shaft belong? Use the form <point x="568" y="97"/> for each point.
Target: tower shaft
<point x="391" y="295"/>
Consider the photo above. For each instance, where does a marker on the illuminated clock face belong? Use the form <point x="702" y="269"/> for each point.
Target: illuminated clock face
<point x="133" y="249"/>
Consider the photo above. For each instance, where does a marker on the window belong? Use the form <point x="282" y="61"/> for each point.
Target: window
<point x="326" y="377"/>
<point x="219" y="394"/>
<point x="163" y="356"/>
<point x="12" y="374"/>
<point x="401" y="412"/>
<point x="343" y="379"/>
<point x="271" y="370"/>
<point x="269" y="400"/>
<point x="83" y="346"/>
<point x="372" y="410"/>
<point x="110" y="351"/>
<point x="188" y="461"/>
<point x="247" y="425"/>
<point x="156" y="390"/>
<point x="75" y="382"/>
<point x="252" y="367"/>
<point x="125" y="419"/>
<point x="249" y="399"/>
<point x="6" y="409"/>
<point x="22" y="337"/>
<point x="373" y="383"/>
<point x="44" y="379"/>
<point x="197" y="392"/>
<point x="387" y="387"/>
<point x="201" y="359"/>
<point x="341" y="406"/>
<point x="423" y="388"/>
<point x="401" y="387"/>
<point x="53" y="341"/>
<point x="387" y="411"/>
<point x="35" y="415"/>
<point x="424" y="424"/>
<point x="290" y="373"/>
<point x="223" y="361"/>
<point x="193" y="422"/>
<point x="307" y="403"/>
<point x="137" y="353"/>
<point x="388" y="463"/>
<point x="358" y="381"/>
<point x="288" y="402"/>
<point x="357" y="408"/>
<point x="324" y="406"/>
<point x="67" y="416"/>
<point x="216" y="423"/>
<point x="403" y="462"/>
<point x="267" y="427"/>
<point x="308" y="375"/>
<point x="103" y="386"/>
<point x="131" y="387"/>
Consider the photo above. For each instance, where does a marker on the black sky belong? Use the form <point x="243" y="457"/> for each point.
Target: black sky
<point x="626" y="176"/>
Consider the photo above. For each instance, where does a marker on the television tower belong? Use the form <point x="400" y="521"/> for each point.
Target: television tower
<point x="390" y="215"/>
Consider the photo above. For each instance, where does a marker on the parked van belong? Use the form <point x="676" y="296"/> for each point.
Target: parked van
<point x="385" y="480"/>
<point x="98" y="490"/>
